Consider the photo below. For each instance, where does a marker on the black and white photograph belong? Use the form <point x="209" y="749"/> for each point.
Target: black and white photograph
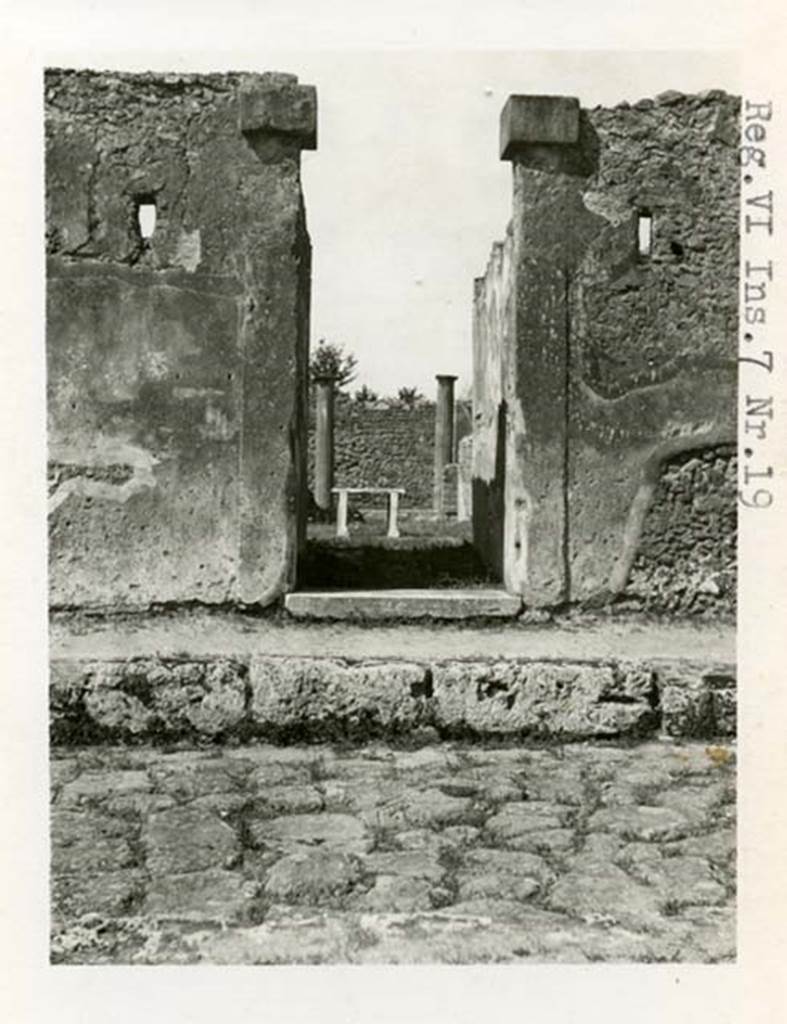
<point x="407" y="416"/>
<point x="398" y="628"/>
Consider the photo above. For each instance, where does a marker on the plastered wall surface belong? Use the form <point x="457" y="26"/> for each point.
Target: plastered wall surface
<point x="613" y="360"/>
<point x="176" y="365"/>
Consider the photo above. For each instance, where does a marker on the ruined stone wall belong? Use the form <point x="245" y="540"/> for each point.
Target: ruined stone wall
<point x="387" y="447"/>
<point x="176" y="364"/>
<point x="493" y="322"/>
<point x="686" y="559"/>
<point x="612" y="359"/>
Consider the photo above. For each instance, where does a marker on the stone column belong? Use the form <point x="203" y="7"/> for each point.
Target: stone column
<point x="323" y="447"/>
<point x="443" y="437"/>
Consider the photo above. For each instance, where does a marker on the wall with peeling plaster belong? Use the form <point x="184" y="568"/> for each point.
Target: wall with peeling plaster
<point x="611" y="361"/>
<point x="176" y="364"/>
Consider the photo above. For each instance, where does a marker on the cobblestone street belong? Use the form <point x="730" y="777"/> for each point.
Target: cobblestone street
<point x="448" y="853"/>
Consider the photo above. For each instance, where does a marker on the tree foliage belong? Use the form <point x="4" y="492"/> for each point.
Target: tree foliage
<point x="365" y="396"/>
<point x="409" y="397"/>
<point x="330" y="360"/>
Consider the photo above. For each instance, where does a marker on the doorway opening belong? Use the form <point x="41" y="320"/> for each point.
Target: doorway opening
<point x="390" y="496"/>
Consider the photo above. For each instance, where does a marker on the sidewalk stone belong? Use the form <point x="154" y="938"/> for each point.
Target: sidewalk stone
<point x="698" y="701"/>
<point x="543" y="698"/>
<point x="325" y="692"/>
<point x="569" y="689"/>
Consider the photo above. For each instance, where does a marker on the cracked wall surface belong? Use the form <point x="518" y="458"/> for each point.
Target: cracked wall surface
<point x="176" y="363"/>
<point x="605" y="361"/>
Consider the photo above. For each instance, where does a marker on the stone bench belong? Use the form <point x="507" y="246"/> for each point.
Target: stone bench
<point x="393" y="507"/>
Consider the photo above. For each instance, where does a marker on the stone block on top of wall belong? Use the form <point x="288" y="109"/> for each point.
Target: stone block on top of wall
<point x="276" y="103"/>
<point x="537" y="120"/>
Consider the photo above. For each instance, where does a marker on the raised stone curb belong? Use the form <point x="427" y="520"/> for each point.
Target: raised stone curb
<point x="282" y="698"/>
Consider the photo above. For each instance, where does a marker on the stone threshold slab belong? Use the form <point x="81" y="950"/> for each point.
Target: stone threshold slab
<point x="404" y="604"/>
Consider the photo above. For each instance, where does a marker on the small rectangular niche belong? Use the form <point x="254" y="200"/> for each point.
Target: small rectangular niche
<point x="146" y="218"/>
<point x="645" y="233"/>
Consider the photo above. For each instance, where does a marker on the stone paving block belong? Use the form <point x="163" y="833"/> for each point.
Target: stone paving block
<point x="600" y="892"/>
<point x="289" y="799"/>
<point x="311" y="876"/>
<point x="556" y="842"/>
<point x="99" y="785"/>
<point x="642" y="822"/>
<point x="553" y="784"/>
<point x="482" y="861"/>
<point x="78" y="827"/>
<point x="202" y="778"/>
<point x="404" y="864"/>
<point x="90" y="853"/>
<point x="273" y="775"/>
<point x="62" y="770"/>
<point x="682" y="881"/>
<point x="484" y="886"/>
<point x="718" y="845"/>
<point x="99" y="892"/>
<point x="528" y="816"/>
<point x="332" y="831"/>
<point x="697" y="802"/>
<point x="212" y="895"/>
<point x="529" y="879"/>
<point x="395" y="894"/>
<point x="188" y="839"/>
<point x="424" y="840"/>
<point x="460" y="835"/>
<point x="433" y="807"/>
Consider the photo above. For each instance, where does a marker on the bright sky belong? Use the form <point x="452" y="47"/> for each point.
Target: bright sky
<point x="405" y="193"/>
